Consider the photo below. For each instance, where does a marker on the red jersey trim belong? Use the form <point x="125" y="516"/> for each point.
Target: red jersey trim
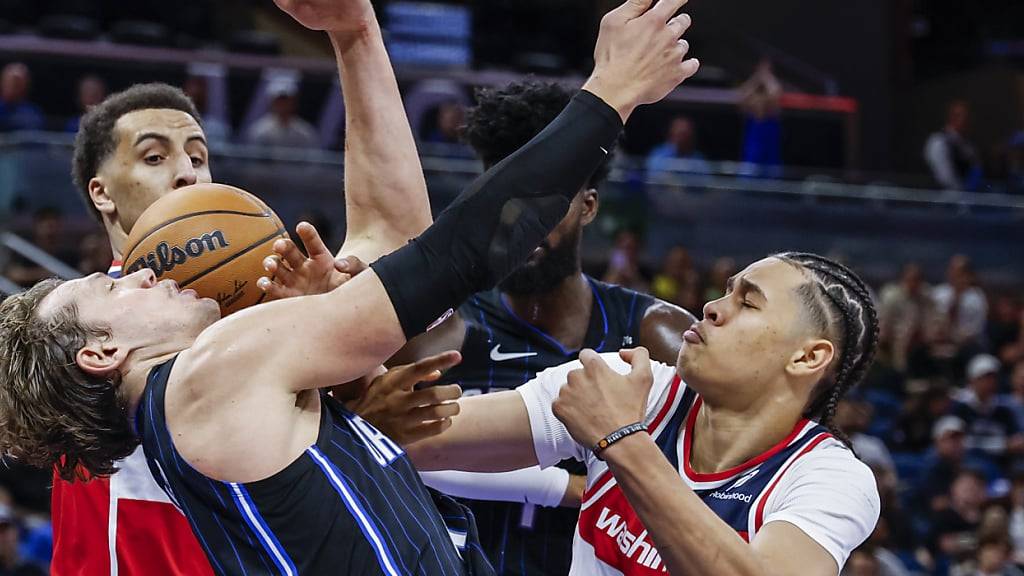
<point x="759" y="515"/>
<point x="691" y="421"/>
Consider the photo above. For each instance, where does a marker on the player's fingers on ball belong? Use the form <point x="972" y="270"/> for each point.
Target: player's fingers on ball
<point x="679" y="25"/>
<point x="311" y="239"/>
<point x="682" y="47"/>
<point x="293" y="257"/>
<point x="435" y="395"/>
<point x="284" y="276"/>
<point x="283" y="246"/>
<point x="689" y="67"/>
<point x="273" y="290"/>
<point x="438" y="362"/>
<point x="435" y="412"/>
<point x="430" y="429"/>
<point x="350" y="265"/>
<point x="271" y="264"/>
<point x="664" y="9"/>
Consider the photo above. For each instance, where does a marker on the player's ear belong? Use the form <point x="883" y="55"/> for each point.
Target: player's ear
<point x="590" y="205"/>
<point x="100" y="358"/>
<point x="100" y="197"/>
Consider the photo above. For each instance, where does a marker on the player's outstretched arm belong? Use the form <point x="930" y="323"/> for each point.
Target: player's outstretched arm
<point x="386" y="201"/>
<point x="482" y="237"/>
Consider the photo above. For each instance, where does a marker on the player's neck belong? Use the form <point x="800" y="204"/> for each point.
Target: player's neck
<point x="726" y="437"/>
<point x="117" y="239"/>
<point x="562" y="313"/>
<point x="136" y="370"/>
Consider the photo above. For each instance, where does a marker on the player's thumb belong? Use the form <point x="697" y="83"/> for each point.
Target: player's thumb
<point x="640" y="365"/>
<point x="631" y="9"/>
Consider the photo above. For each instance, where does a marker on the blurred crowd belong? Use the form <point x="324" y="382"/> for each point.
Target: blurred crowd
<point x="940" y="419"/>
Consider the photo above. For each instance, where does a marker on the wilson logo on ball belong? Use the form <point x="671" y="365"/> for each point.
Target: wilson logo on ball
<point x="165" y="257"/>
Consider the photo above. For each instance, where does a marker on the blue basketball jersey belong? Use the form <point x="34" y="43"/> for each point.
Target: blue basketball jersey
<point x="352" y="503"/>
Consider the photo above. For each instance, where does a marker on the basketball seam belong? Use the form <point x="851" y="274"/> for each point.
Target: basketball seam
<point x="234" y="256"/>
<point x="190" y="215"/>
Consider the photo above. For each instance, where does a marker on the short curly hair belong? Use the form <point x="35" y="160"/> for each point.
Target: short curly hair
<point x="505" y="119"/>
<point x="95" y="141"/>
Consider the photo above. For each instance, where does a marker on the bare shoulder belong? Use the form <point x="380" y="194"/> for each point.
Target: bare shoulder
<point x="208" y="397"/>
<point x="661" y="330"/>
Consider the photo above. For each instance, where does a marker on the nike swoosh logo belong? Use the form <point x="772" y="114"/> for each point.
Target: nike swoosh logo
<point x="498" y="356"/>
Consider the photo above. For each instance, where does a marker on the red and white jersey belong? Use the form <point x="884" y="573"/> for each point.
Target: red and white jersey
<point x="809" y="479"/>
<point x="123" y="525"/>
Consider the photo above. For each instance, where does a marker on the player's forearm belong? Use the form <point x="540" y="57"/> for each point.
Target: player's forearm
<point x="490" y="434"/>
<point x="690" y="538"/>
<point x="545" y="487"/>
<point x="385" y="193"/>
<point x="492" y="227"/>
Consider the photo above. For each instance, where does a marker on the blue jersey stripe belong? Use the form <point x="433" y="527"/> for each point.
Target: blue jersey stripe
<point x="424" y="510"/>
<point x="387" y="563"/>
<point x="180" y="501"/>
<point x="263" y="532"/>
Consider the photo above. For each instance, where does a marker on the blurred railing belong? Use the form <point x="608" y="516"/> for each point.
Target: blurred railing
<point x="727" y="211"/>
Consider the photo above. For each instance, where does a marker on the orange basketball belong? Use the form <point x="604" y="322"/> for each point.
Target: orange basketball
<point x="211" y="238"/>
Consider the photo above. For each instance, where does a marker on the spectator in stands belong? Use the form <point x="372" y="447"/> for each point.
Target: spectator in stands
<point x="992" y="429"/>
<point x="927" y="401"/>
<point x="624" y="266"/>
<point x="217" y="129"/>
<point x="678" y="282"/>
<point x="1004" y="327"/>
<point x="11" y="563"/>
<point x="47" y="234"/>
<point x="1015" y="399"/>
<point x="94" y="254"/>
<point x="952" y="159"/>
<point x="942" y="465"/>
<point x="444" y="138"/>
<point x="721" y="271"/>
<point x="853" y="416"/>
<point x="760" y="101"/>
<point x="962" y="309"/>
<point x="995" y="557"/>
<point x="1013" y="352"/>
<point x="906" y="317"/>
<point x="1016" y="520"/>
<point x="953" y="530"/>
<point x="16" y="112"/>
<point x="451" y="117"/>
<point x="862" y="562"/>
<point x="679" y="152"/>
<point x="1015" y="164"/>
<point x="282" y="126"/>
<point x="91" y="91"/>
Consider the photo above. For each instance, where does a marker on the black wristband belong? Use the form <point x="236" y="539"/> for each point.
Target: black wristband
<point x="614" y="437"/>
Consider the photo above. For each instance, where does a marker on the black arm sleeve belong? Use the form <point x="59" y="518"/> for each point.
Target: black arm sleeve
<point x="494" y="225"/>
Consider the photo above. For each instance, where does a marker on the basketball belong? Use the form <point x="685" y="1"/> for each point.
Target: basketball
<point x="211" y="238"/>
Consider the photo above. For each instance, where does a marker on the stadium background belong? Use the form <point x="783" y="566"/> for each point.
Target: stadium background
<point x="696" y="193"/>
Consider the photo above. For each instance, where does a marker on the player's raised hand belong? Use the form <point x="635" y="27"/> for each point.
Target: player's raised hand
<point x="597" y="400"/>
<point x="290" y="273"/>
<point x="396" y="408"/>
<point x="640" y="55"/>
<point x="329" y="15"/>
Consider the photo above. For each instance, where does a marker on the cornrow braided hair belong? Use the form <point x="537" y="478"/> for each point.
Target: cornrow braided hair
<point x="840" y="306"/>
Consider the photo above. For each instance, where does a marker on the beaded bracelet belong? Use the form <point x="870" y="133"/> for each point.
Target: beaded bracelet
<point x="614" y="437"/>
